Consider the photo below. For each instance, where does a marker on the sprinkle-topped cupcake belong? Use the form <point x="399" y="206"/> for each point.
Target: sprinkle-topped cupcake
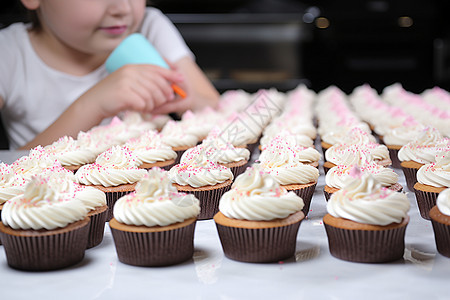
<point x="258" y="219"/>
<point x="204" y="178"/>
<point x="432" y="179"/>
<point x="114" y="172"/>
<point x="366" y="222"/>
<point x="34" y="223"/>
<point x="154" y="226"/>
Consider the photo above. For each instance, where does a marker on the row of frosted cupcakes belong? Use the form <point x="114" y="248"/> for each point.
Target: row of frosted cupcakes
<point x="258" y="221"/>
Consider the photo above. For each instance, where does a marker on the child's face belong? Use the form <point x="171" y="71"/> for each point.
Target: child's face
<point x="91" y="26"/>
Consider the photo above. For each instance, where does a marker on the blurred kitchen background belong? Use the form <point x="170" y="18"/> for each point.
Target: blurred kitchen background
<point x="253" y="44"/>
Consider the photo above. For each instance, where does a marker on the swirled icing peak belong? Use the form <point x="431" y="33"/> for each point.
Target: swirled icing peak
<point x="156" y="202"/>
<point x="443" y="202"/>
<point x="256" y="196"/>
<point x="42" y="207"/>
<point x="364" y="200"/>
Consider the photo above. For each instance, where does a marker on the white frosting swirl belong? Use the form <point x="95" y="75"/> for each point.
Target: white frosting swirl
<point x="112" y="168"/>
<point x="68" y="152"/>
<point x="344" y="154"/>
<point x="339" y="176"/>
<point x="149" y="148"/>
<point x="424" y="148"/>
<point x="11" y="184"/>
<point x="198" y="170"/>
<point x="33" y="163"/>
<point x="42" y="207"/>
<point x="363" y="200"/>
<point x="402" y="135"/>
<point x="256" y="196"/>
<point x="90" y="196"/>
<point x="436" y="174"/>
<point x="443" y="202"/>
<point x="155" y="203"/>
<point x="175" y="135"/>
<point x="294" y="173"/>
<point x="217" y="151"/>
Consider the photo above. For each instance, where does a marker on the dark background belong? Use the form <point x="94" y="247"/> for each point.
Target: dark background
<point x="253" y="44"/>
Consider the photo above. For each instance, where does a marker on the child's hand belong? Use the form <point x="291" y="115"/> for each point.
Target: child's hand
<point x="133" y="87"/>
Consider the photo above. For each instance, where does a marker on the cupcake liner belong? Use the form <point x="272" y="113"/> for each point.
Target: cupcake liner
<point x="47" y="251"/>
<point x="410" y="176"/>
<point x="442" y="237"/>
<point x="425" y="202"/>
<point x="209" y="199"/>
<point x="306" y="194"/>
<point x="165" y="165"/>
<point x="368" y="246"/>
<point x="96" y="228"/>
<point x="152" y="249"/>
<point x="258" y="245"/>
<point x="111" y="198"/>
<point x="327" y="195"/>
<point x="393" y="154"/>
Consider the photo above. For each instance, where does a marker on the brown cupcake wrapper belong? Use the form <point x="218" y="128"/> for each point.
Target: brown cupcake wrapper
<point x="327" y="195"/>
<point x="179" y="154"/>
<point x="306" y="194"/>
<point x="258" y="245"/>
<point x="442" y="237"/>
<point x="238" y="170"/>
<point x="46" y="252"/>
<point x="410" y="176"/>
<point x="393" y="154"/>
<point x="425" y="202"/>
<point x="152" y="249"/>
<point x="111" y="198"/>
<point x="96" y="228"/>
<point x="367" y="246"/>
<point x="209" y="201"/>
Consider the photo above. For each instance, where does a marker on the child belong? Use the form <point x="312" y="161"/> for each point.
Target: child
<point x="53" y="80"/>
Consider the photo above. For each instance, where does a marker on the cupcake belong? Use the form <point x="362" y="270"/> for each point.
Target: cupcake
<point x="221" y="152"/>
<point x="431" y="180"/>
<point x="205" y="179"/>
<point x="95" y="201"/>
<point x="345" y="154"/>
<point x="440" y="218"/>
<point x="258" y="219"/>
<point x="366" y="222"/>
<point x="150" y="151"/>
<point x="304" y="155"/>
<point x="154" y="226"/>
<point x="174" y="135"/>
<point x="114" y="172"/>
<point x="34" y="224"/>
<point x="70" y="154"/>
<point x="397" y="137"/>
<point x="292" y="175"/>
<point x="421" y="151"/>
<point x="337" y="177"/>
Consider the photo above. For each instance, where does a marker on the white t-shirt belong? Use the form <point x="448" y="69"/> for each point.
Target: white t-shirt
<point x="35" y="95"/>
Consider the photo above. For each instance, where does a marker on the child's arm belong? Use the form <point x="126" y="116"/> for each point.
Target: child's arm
<point x="132" y="87"/>
<point x="200" y="91"/>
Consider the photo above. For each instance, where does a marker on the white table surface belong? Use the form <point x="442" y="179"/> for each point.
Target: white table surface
<point x="312" y="274"/>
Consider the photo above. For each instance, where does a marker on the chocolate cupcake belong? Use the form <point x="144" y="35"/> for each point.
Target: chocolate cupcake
<point x="34" y="224"/>
<point x="154" y="226"/>
<point x="366" y="222"/>
<point x="205" y="179"/>
<point x="440" y="218"/>
<point x="432" y="179"/>
<point x="114" y="172"/>
<point x="258" y="219"/>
